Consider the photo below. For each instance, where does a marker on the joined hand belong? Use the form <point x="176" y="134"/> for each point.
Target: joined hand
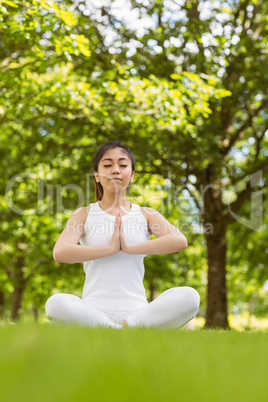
<point x="119" y="239"/>
<point x="124" y="244"/>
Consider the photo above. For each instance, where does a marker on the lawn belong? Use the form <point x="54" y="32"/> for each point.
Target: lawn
<point x="47" y="363"/>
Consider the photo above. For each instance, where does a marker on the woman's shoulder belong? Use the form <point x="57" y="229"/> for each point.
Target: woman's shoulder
<point x="148" y="211"/>
<point x="80" y="214"/>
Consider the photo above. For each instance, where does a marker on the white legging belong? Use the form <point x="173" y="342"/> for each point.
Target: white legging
<point x="172" y="309"/>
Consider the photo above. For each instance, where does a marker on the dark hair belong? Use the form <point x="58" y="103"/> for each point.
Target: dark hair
<point x="96" y="159"/>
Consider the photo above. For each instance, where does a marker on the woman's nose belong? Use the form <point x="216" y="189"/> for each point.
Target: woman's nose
<point x="115" y="169"/>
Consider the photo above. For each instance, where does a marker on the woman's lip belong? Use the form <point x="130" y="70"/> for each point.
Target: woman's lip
<point x="116" y="179"/>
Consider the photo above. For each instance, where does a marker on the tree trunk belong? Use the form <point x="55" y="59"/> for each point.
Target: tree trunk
<point x="2" y="303"/>
<point x="17" y="301"/>
<point x="19" y="285"/>
<point x="214" y="215"/>
<point x="35" y="313"/>
<point x="153" y="290"/>
<point x="216" y="314"/>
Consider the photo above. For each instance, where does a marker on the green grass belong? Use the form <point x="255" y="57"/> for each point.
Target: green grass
<point x="47" y="363"/>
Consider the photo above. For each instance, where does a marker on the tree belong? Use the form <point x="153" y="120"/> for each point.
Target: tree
<point x="213" y="154"/>
<point x="57" y="112"/>
<point x="28" y="64"/>
<point x="193" y="96"/>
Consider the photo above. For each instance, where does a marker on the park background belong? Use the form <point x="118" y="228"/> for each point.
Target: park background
<point x="184" y="85"/>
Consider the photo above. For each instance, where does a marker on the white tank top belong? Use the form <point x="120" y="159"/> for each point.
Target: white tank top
<point x="117" y="279"/>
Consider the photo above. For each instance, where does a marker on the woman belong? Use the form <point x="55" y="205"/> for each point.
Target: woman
<point x="114" y="238"/>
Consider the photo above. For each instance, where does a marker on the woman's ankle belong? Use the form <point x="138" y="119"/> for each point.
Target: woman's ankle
<point x="124" y="324"/>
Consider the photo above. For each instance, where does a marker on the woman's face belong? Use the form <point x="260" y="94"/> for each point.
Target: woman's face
<point x="114" y="170"/>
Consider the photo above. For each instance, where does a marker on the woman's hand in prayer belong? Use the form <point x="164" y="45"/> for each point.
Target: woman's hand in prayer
<point x="125" y="245"/>
<point x="115" y="243"/>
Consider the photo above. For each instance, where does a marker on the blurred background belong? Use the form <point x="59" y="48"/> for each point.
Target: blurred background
<point x="184" y="84"/>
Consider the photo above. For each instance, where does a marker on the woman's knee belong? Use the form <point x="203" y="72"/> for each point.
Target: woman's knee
<point x="193" y="298"/>
<point x="54" y="304"/>
<point x="190" y="296"/>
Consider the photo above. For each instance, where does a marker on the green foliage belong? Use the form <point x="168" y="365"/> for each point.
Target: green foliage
<point x="190" y="102"/>
<point x="247" y="267"/>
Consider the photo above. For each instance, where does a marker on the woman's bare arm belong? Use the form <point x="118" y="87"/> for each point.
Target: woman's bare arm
<point x="169" y="238"/>
<point x="68" y="250"/>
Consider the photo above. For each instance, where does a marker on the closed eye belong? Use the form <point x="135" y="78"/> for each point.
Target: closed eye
<point x="111" y="165"/>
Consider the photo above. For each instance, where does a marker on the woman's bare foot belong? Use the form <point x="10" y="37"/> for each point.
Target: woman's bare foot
<point x="124" y="324"/>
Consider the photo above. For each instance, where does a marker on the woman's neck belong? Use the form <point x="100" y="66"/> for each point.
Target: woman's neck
<point x="113" y="204"/>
